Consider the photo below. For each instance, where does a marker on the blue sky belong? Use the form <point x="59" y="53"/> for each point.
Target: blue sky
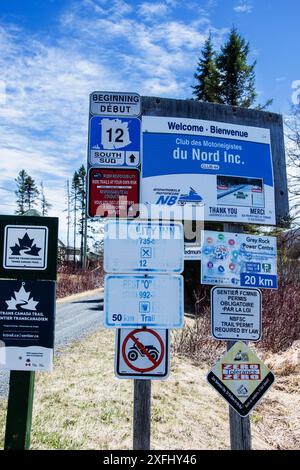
<point x="53" y="53"/>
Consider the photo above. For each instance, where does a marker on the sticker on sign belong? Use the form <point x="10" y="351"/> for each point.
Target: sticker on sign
<point x="140" y="301"/>
<point x="236" y="313"/>
<point x="134" y="246"/>
<point x="142" y="353"/>
<point x="108" y="103"/>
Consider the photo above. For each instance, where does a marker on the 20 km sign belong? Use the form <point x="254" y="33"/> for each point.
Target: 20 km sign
<point x="142" y="353"/>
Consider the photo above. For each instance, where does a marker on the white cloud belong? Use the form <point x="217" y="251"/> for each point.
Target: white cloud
<point x="99" y="44"/>
<point x="148" y="9"/>
<point x="243" y="7"/>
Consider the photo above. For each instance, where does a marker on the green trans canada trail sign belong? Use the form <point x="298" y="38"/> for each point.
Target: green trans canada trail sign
<point x="28" y="247"/>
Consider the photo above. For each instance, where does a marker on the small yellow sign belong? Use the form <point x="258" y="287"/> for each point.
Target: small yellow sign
<point x="241" y="378"/>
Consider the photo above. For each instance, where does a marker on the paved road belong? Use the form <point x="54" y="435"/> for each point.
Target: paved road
<point x="74" y="320"/>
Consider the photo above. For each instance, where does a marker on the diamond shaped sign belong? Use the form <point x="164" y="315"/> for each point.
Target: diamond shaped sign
<point x="241" y="378"/>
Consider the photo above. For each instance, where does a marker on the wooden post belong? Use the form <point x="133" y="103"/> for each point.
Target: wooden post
<point x="142" y="415"/>
<point x="19" y="410"/>
<point x="240" y="431"/>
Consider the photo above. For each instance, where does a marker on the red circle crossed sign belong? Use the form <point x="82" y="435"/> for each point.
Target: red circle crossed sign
<point x="143" y="349"/>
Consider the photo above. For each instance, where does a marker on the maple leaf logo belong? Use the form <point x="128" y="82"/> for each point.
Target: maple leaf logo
<point x="21" y="300"/>
<point x="25" y="245"/>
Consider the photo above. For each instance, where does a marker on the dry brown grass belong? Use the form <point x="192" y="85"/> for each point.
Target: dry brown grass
<point x="82" y="406"/>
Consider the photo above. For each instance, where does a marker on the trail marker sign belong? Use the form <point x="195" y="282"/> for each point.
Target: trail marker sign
<point x="28" y="247"/>
<point x="27" y="312"/>
<point x="114" y="141"/>
<point x="137" y="246"/>
<point x="236" y="313"/>
<point x="143" y="301"/>
<point x="241" y="378"/>
<point x="142" y="354"/>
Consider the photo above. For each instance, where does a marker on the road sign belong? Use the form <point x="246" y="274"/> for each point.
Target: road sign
<point x="135" y="246"/>
<point x="138" y="301"/>
<point x="241" y="378"/>
<point x="142" y="354"/>
<point x="235" y="259"/>
<point x="112" y="192"/>
<point x="224" y="168"/>
<point x="28" y="247"/>
<point x="114" y="141"/>
<point x="110" y="103"/>
<point x="236" y="313"/>
<point x="27" y="312"/>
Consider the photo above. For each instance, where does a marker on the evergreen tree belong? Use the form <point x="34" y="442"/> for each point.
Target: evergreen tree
<point x="74" y="199"/>
<point x="20" y="192"/>
<point x="31" y="192"/>
<point x="82" y="208"/>
<point x="207" y="75"/>
<point x="45" y="205"/>
<point x="26" y="192"/>
<point x="237" y="77"/>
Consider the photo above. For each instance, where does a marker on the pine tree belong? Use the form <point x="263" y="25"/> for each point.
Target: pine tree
<point x="45" y="205"/>
<point x="26" y="193"/>
<point x="82" y="208"/>
<point x="31" y="192"/>
<point x="237" y="77"/>
<point x="20" y="192"/>
<point x="207" y="75"/>
<point x="74" y="199"/>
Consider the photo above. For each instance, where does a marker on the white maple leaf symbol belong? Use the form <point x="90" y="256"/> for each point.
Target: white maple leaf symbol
<point x="22" y="300"/>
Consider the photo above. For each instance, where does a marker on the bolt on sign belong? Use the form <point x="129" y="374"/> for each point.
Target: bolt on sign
<point x="241" y="378"/>
<point x="27" y="313"/>
<point x="154" y="300"/>
<point x="142" y="354"/>
<point x="236" y="259"/>
<point x="114" y="141"/>
<point x="236" y="313"/>
<point x="110" y="103"/>
<point x="113" y="192"/>
<point x="224" y="168"/>
<point x="137" y="246"/>
<point x="28" y="247"/>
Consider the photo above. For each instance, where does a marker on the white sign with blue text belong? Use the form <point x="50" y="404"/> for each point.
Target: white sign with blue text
<point x="235" y="259"/>
<point x="139" y="301"/>
<point x="224" y="168"/>
<point x="114" y="141"/>
<point x="135" y="246"/>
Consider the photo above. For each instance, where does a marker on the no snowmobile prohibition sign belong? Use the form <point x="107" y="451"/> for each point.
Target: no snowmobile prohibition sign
<point x="142" y="353"/>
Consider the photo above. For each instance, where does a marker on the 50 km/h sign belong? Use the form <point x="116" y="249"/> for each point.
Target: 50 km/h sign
<point x="134" y="246"/>
<point x="142" y="353"/>
<point x="139" y="301"/>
